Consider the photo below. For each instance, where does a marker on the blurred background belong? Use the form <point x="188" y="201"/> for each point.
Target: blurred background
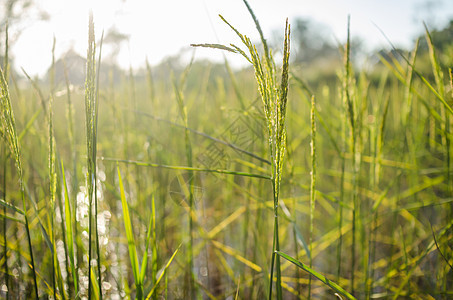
<point x="155" y="30"/>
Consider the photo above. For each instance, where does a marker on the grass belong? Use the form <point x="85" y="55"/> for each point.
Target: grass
<point x="190" y="281"/>
<point x="244" y="187"/>
<point x="10" y="137"/>
<point x="91" y="117"/>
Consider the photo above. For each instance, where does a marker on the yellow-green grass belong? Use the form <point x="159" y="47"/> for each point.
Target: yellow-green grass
<point x="349" y="194"/>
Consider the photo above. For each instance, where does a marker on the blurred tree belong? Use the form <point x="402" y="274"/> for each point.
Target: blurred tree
<point x="18" y="14"/>
<point x="428" y="11"/>
<point x="313" y="43"/>
<point x="114" y="39"/>
<point x="310" y="41"/>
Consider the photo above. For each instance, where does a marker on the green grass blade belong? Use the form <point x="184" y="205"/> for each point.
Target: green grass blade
<point x="95" y="137"/>
<point x="151" y="237"/>
<point x="438" y="249"/>
<point x="29" y="124"/>
<point x="321" y="277"/>
<point x="11" y="206"/>
<point x="301" y="240"/>
<point x="163" y="273"/>
<point x="271" y="274"/>
<point x="312" y="185"/>
<point x="5" y="216"/>
<point x="150" y="232"/>
<point x="90" y="97"/>
<point x="69" y="231"/>
<point x="437" y="70"/>
<point x="242" y="37"/>
<point x="37" y="91"/>
<point x="188" y="146"/>
<point x="130" y="236"/>
<point x="52" y="173"/>
<point x="154" y="165"/>
<point x="154" y="265"/>
<point x="95" y="292"/>
<point x="260" y="31"/>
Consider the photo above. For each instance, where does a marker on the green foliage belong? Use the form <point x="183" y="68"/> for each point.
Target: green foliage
<point x="321" y="277"/>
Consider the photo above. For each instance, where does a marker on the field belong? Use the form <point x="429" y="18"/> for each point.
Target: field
<point x="203" y="182"/>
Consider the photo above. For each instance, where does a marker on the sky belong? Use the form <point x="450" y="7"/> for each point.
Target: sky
<point x="159" y="29"/>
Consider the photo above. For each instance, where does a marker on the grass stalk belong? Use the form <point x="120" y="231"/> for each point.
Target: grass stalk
<point x="130" y="240"/>
<point x="5" y="165"/>
<point x="9" y="131"/>
<point x="342" y="194"/>
<point x="450" y="73"/>
<point x="68" y="217"/>
<point x="274" y="99"/>
<point x="312" y="186"/>
<point x="74" y="184"/>
<point x="91" y="110"/>
<point x="52" y="173"/>
<point x="353" y="133"/>
<point x="194" y="169"/>
<point x="319" y="276"/>
<point x="5" y="223"/>
<point x="164" y="273"/>
<point x="95" y="138"/>
<point x="439" y="79"/>
<point x="152" y="232"/>
<point x="188" y="147"/>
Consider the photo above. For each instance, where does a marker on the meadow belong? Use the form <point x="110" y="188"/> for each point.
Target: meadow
<point x="203" y="182"/>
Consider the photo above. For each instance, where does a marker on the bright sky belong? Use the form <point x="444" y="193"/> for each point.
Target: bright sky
<point x="158" y="29"/>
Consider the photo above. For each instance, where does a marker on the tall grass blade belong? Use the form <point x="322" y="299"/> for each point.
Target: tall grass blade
<point x="74" y="184"/>
<point x="439" y="79"/>
<point x="69" y="231"/>
<point x="321" y="277"/>
<point x="52" y="173"/>
<point x="150" y="238"/>
<point x="95" y="292"/>
<point x="130" y="239"/>
<point x="5" y="223"/>
<point x="95" y="137"/>
<point x="188" y="146"/>
<point x="274" y="99"/>
<point x="312" y="185"/>
<point x="351" y="115"/>
<point x="263" y="40"/>
<point x="5" y="160"/>
<point x="91" y="113"/>
<point x="11" y="206"/>
<point x="163" y="272"/>
<point x="154" y="165"/>
<point x="438" y="249"/>
<point x="236" y="255"/>
<point x="437" y="70"/>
